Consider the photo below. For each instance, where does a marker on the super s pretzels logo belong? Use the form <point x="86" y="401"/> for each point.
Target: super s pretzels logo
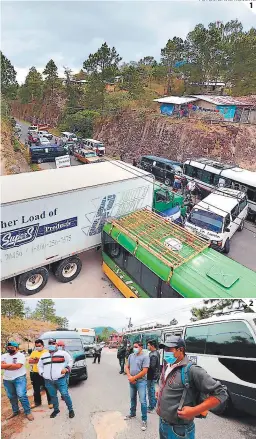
<point x="18" y="237"/>
<point x="24" y="235"/>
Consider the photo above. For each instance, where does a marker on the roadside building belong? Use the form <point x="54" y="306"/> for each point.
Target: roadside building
<point x="171" y="105"/>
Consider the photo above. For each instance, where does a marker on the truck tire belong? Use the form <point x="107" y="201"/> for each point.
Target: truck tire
<point x="240" y="228"/>
<point x="67" y="269"/>
<point x="227" y="246"/>
<point x="33" y="281"/>
<point x="167" y="182"/>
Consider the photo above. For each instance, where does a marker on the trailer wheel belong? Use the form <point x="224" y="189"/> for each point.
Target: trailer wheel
<point x="33" y="281"/>
<point x="67" y="269"/>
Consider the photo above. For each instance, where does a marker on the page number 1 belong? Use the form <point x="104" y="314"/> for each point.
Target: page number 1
<point x="251" y="3"/>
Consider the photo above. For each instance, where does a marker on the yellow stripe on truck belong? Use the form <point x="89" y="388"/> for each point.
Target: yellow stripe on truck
<point x="119" y="284"/>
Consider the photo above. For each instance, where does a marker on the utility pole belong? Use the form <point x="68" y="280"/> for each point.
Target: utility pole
<point x="130" y="325"/>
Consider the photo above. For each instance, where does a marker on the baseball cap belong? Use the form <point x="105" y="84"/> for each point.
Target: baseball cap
<point x="173" y="342"/>
<point x="13" y="343"/>
<point x="52" y="340"/>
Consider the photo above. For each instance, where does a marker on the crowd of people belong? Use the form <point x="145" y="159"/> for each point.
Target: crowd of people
<point x="184" y="391"/>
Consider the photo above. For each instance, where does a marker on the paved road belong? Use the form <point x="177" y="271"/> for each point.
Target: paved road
<point x="50" y="165"/>
<point x="100" y="404"/>
<point x="91" y="282"/>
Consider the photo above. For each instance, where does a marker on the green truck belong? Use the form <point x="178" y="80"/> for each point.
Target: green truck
<point x="168" y="204"/>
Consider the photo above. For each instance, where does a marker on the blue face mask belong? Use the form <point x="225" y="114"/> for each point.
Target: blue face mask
<point x="136" y="350"/>
<point x="51" y="347"/>
<point x="169" y="357"/>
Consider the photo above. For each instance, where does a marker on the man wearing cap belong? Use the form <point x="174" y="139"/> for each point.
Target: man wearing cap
<point x="177" y="406"/>
<point x="36" y="379"/>
<point x="53" y="367"/>
<point x="15" y="380"/>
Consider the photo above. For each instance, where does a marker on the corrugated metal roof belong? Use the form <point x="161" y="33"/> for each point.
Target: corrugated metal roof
<point x="175" y="100"/>
<point x="227" y="100"/>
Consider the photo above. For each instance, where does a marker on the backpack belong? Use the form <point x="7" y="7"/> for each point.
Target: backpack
<point x="185" y="381"/>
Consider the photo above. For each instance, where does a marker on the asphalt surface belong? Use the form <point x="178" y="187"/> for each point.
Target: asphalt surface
<point x="100" y="404"/>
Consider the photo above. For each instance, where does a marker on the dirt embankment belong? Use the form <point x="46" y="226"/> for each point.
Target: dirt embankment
<point x="138" y="133"/>
<point x="12" y="161"/>
<point x="48" y="112"/>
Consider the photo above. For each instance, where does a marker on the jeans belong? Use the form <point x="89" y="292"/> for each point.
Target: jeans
<point x="121" y="362"/>
<point x="167" y="431"/>
<point x="151" y="384"/>
<point x="95" y="358"/>
<point x="141" y="387"/>
<point x="17" y="389"/>
<point x="38" y="382"/>
<point x="61" y="385"/>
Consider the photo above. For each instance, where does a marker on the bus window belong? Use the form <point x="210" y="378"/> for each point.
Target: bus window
<point x="195" y="338"/>
<point x="113" y="250"/>
<point x="230" y="339"/>
<point x="132" y="266"/>
<point x="251" y="193"/>
<point x="188" y="170"/>
<point x="149" y="281"/>
<point x="207" y="177"/>
<point x="198" y="173"/>
<point x="242" y="204"/>
<point x="168" y="291"/>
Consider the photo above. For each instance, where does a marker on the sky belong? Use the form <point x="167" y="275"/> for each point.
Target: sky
<point x="90" y="313"/>
<point x="33" y="32"/>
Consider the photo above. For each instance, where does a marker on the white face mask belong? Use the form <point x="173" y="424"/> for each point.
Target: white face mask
<point x="39" y="349"/>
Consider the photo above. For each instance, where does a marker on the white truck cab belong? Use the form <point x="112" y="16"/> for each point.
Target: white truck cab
<point x="218" y="217"/>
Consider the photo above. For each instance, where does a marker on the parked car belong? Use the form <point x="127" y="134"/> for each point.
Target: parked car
<point x="32" y="129"/>
<point x="163" y="169"/>
<point x="40" y="154"/>
<point x="218" y="217"/>
<point x="67" y="136"/>
<point x="43" y="141"/>
<point x="86" y="156"/>
<point x="33" y="139"/>
<point x="45" y="134"/>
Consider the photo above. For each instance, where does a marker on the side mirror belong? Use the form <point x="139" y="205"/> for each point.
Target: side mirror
<point x="86" y="348"/>
<point x="227" y="229"/>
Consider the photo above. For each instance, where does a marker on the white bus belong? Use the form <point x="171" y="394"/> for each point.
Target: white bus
<point x="210" y="174"/>
<point x="225" y="347"/>
<point x="88" y="337"/>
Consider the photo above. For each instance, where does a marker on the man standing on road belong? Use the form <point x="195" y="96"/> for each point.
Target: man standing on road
<point x="97" y="353"/>
<point x="53" y="366"/>
<point x="153" y="374"/>
<point x="179" y="400"/>
<point x="36" y="379"/>
<point x="15" y="380"/>
<point x="121" y="356"/>
<point x="136" y="369"/>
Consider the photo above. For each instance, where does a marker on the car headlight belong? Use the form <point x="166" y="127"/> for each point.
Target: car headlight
<point x="79" y="363"/>
<point x="218" y="243"/>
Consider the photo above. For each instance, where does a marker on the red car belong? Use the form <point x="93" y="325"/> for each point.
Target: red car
<point x="33" y="139"/>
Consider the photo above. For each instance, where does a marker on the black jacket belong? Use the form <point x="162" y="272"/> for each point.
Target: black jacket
<point x="154" y="366"/>
<point x="121" y="352"/>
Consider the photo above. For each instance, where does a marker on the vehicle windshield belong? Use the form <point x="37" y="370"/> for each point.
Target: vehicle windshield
<point x="88" y="339"/>
<point x="90" y="154"/>
<point x="177" y="169"/>
<point x="100" y="145"/>
<point x="206" y="220"/>
<point x="71" y="344"/>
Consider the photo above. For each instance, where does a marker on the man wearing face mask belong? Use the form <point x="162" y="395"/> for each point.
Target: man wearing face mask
<point x="53" y="367"/>
<point x="179" y="404"/>
<point x="136" y="369"/>
<point x="15" y="380"/>
<point x="36" y="379"/>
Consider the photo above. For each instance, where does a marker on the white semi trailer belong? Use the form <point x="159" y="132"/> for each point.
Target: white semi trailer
<point x="49" y="217"/>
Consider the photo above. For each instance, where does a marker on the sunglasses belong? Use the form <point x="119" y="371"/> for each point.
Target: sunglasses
<point x="52" y="343"/>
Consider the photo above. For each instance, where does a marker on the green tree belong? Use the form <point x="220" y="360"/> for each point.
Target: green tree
<point x="80" y="122"/>
<point x="62" y="322"/>
<point x="51" y="77"/>
<point x="12" y="308"/>
<point x="101" y="67"/>
<point x="148" y="61"/>
<point x="104" y="62"/>
<point x="9" y="84"/>
<point x="170" y="55"/>
<point x="34" y="84"/>
<point x="104" y="336"/>
<point x="132" y="81"/>
<point x="45" y="310"/>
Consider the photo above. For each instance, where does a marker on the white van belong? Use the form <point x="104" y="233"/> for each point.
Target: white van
<point x="218" y="217"/>
<point x="67" y="137"/>
<point x="95" y="145"/>
<point x="32" y="129"/>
